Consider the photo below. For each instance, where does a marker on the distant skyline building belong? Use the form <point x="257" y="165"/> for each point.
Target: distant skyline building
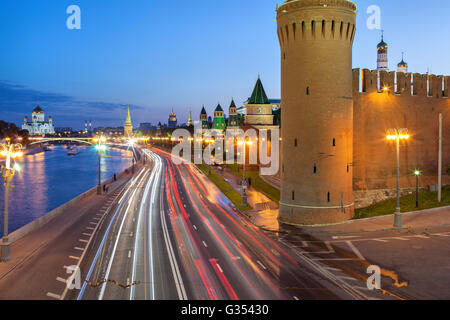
<point x="219" y="119"/>
<point x="38" y="125"/>
<point x="173" y="122"/>
<point x="145" y="127"/>
<point x="204" y="119"/>
<point x="128" y="128"/>
<point x="382" y="55"/>
<point x="233" y="117"/>
<point x="190" y="122"/>
<point x="402" y="66"/>
<point x="258" y="107"/>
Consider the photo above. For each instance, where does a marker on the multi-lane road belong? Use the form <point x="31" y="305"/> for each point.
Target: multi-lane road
<point x="171" y="234"/>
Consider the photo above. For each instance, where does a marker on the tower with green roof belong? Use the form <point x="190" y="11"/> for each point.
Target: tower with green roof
<point x="233" y="118"/>
<point x="190" y="122"/>
<point x="204" y="119"/>
<point x="219" y="119"/>
<point x="128" y="128"/>
<point x="259" y="108"/>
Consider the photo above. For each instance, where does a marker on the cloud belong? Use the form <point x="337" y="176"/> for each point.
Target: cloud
<point x="17" y="101"/>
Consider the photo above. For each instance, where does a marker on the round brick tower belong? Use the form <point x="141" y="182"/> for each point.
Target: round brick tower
<point x="316" y="38"/>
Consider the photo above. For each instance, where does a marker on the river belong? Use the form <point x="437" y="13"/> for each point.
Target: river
<point x="49" y="179"/>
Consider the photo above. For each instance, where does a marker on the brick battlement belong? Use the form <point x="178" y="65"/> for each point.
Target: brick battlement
<point x="294" y="4"/>
<point x="400" y="83"/>
<point x="330" y="20"/>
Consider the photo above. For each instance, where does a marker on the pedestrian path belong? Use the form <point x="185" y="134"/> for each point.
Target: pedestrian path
<point x="264" y="212"/>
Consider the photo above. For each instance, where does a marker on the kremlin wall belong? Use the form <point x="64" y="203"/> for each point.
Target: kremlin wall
<point x="411" y="101"/>
<point x="335" y="156"/>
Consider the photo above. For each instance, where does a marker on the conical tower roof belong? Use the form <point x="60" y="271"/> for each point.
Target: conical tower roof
<point x="219" y="108"/>
<point x="232" y="105"/>
<point x="382" y="44"/>
<point x="128" y="120"/>
<point x="259" y="95"/>
<point x="203" y="110"/>
<point x="402" y="63"/>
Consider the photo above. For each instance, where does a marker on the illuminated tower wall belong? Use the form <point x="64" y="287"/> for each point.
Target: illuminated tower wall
<point x="316" y="38"/>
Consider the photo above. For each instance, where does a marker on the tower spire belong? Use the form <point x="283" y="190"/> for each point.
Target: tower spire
<point x="128" y="128"/>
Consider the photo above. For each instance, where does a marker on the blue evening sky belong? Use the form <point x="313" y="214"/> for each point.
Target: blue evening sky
<point x="159" y="55"/>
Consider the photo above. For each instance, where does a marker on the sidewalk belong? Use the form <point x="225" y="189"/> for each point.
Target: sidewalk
<point x="413" y="220"/>
<point x="264" y="211"/>
<point x="30" y="245"/>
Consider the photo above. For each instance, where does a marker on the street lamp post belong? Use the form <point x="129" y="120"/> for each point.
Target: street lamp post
<point x="397" y="135"/>
<point x="100" y="148"/>
<point x="245" y="143"/>
<point x="417" y="173"/>
<point x="10" y="151"/>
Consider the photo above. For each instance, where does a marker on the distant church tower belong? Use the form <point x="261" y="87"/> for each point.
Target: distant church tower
<point x="402" y="66"/>
<point x="173" y="122"/>
<point x="316" y="38"/>
<point x="233" y="116"/>
<point x="219" y="119"/>
<point x="382" y="50"/>
<point x="204" y="119"/>
<point x="128" y="128"/>
<point x="190" y="122"/>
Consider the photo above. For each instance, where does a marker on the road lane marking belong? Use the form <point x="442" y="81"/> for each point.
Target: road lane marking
<point x="94" y="223"/>
<point x="262" y="266"/>
<point x="131" y="235"/>
<point x="344" y="237"/>
<point x="329" y="247"/>
<point x="79" y="249"/>
<point x="399" y="238"/>
<point x="75" y="258"/>
<point x="90" y="228"/>
<point x="218" y="266"/>
<point x="195" y="227"/>
<point x="379" y="240"/>
<point x="333" y="269"/>
<point x="355" y="250"/>
<point x="87" y="234"/>
<point x="116" y="243"/>
<point x="421" y="237"/>
<point x="102" y="243"/>
<point x="172" y="258"/>
<point x="296" y="298"/>
<point x="348" y="278"/>
<point x="52" y="295"/>
<point x="334" y="259"/>
<point x="82" y="240"/>
<point x="204" y="243"/>
<point x="96" y="219"/>
<point x="129" y="254"/>
<point x="61" y="280"/>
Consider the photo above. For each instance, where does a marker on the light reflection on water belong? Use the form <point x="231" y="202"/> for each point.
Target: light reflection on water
<point x="48" y="180"/>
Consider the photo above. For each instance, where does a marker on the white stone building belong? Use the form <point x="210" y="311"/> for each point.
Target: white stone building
<point x="38" y="126"/>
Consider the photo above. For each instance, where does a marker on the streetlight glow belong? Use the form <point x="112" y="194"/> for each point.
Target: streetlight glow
<point x="398" y="135"/>
<point x="9" y="151"/>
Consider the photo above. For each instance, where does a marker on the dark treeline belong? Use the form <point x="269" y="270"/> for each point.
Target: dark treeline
<point x="10" y="130"/>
